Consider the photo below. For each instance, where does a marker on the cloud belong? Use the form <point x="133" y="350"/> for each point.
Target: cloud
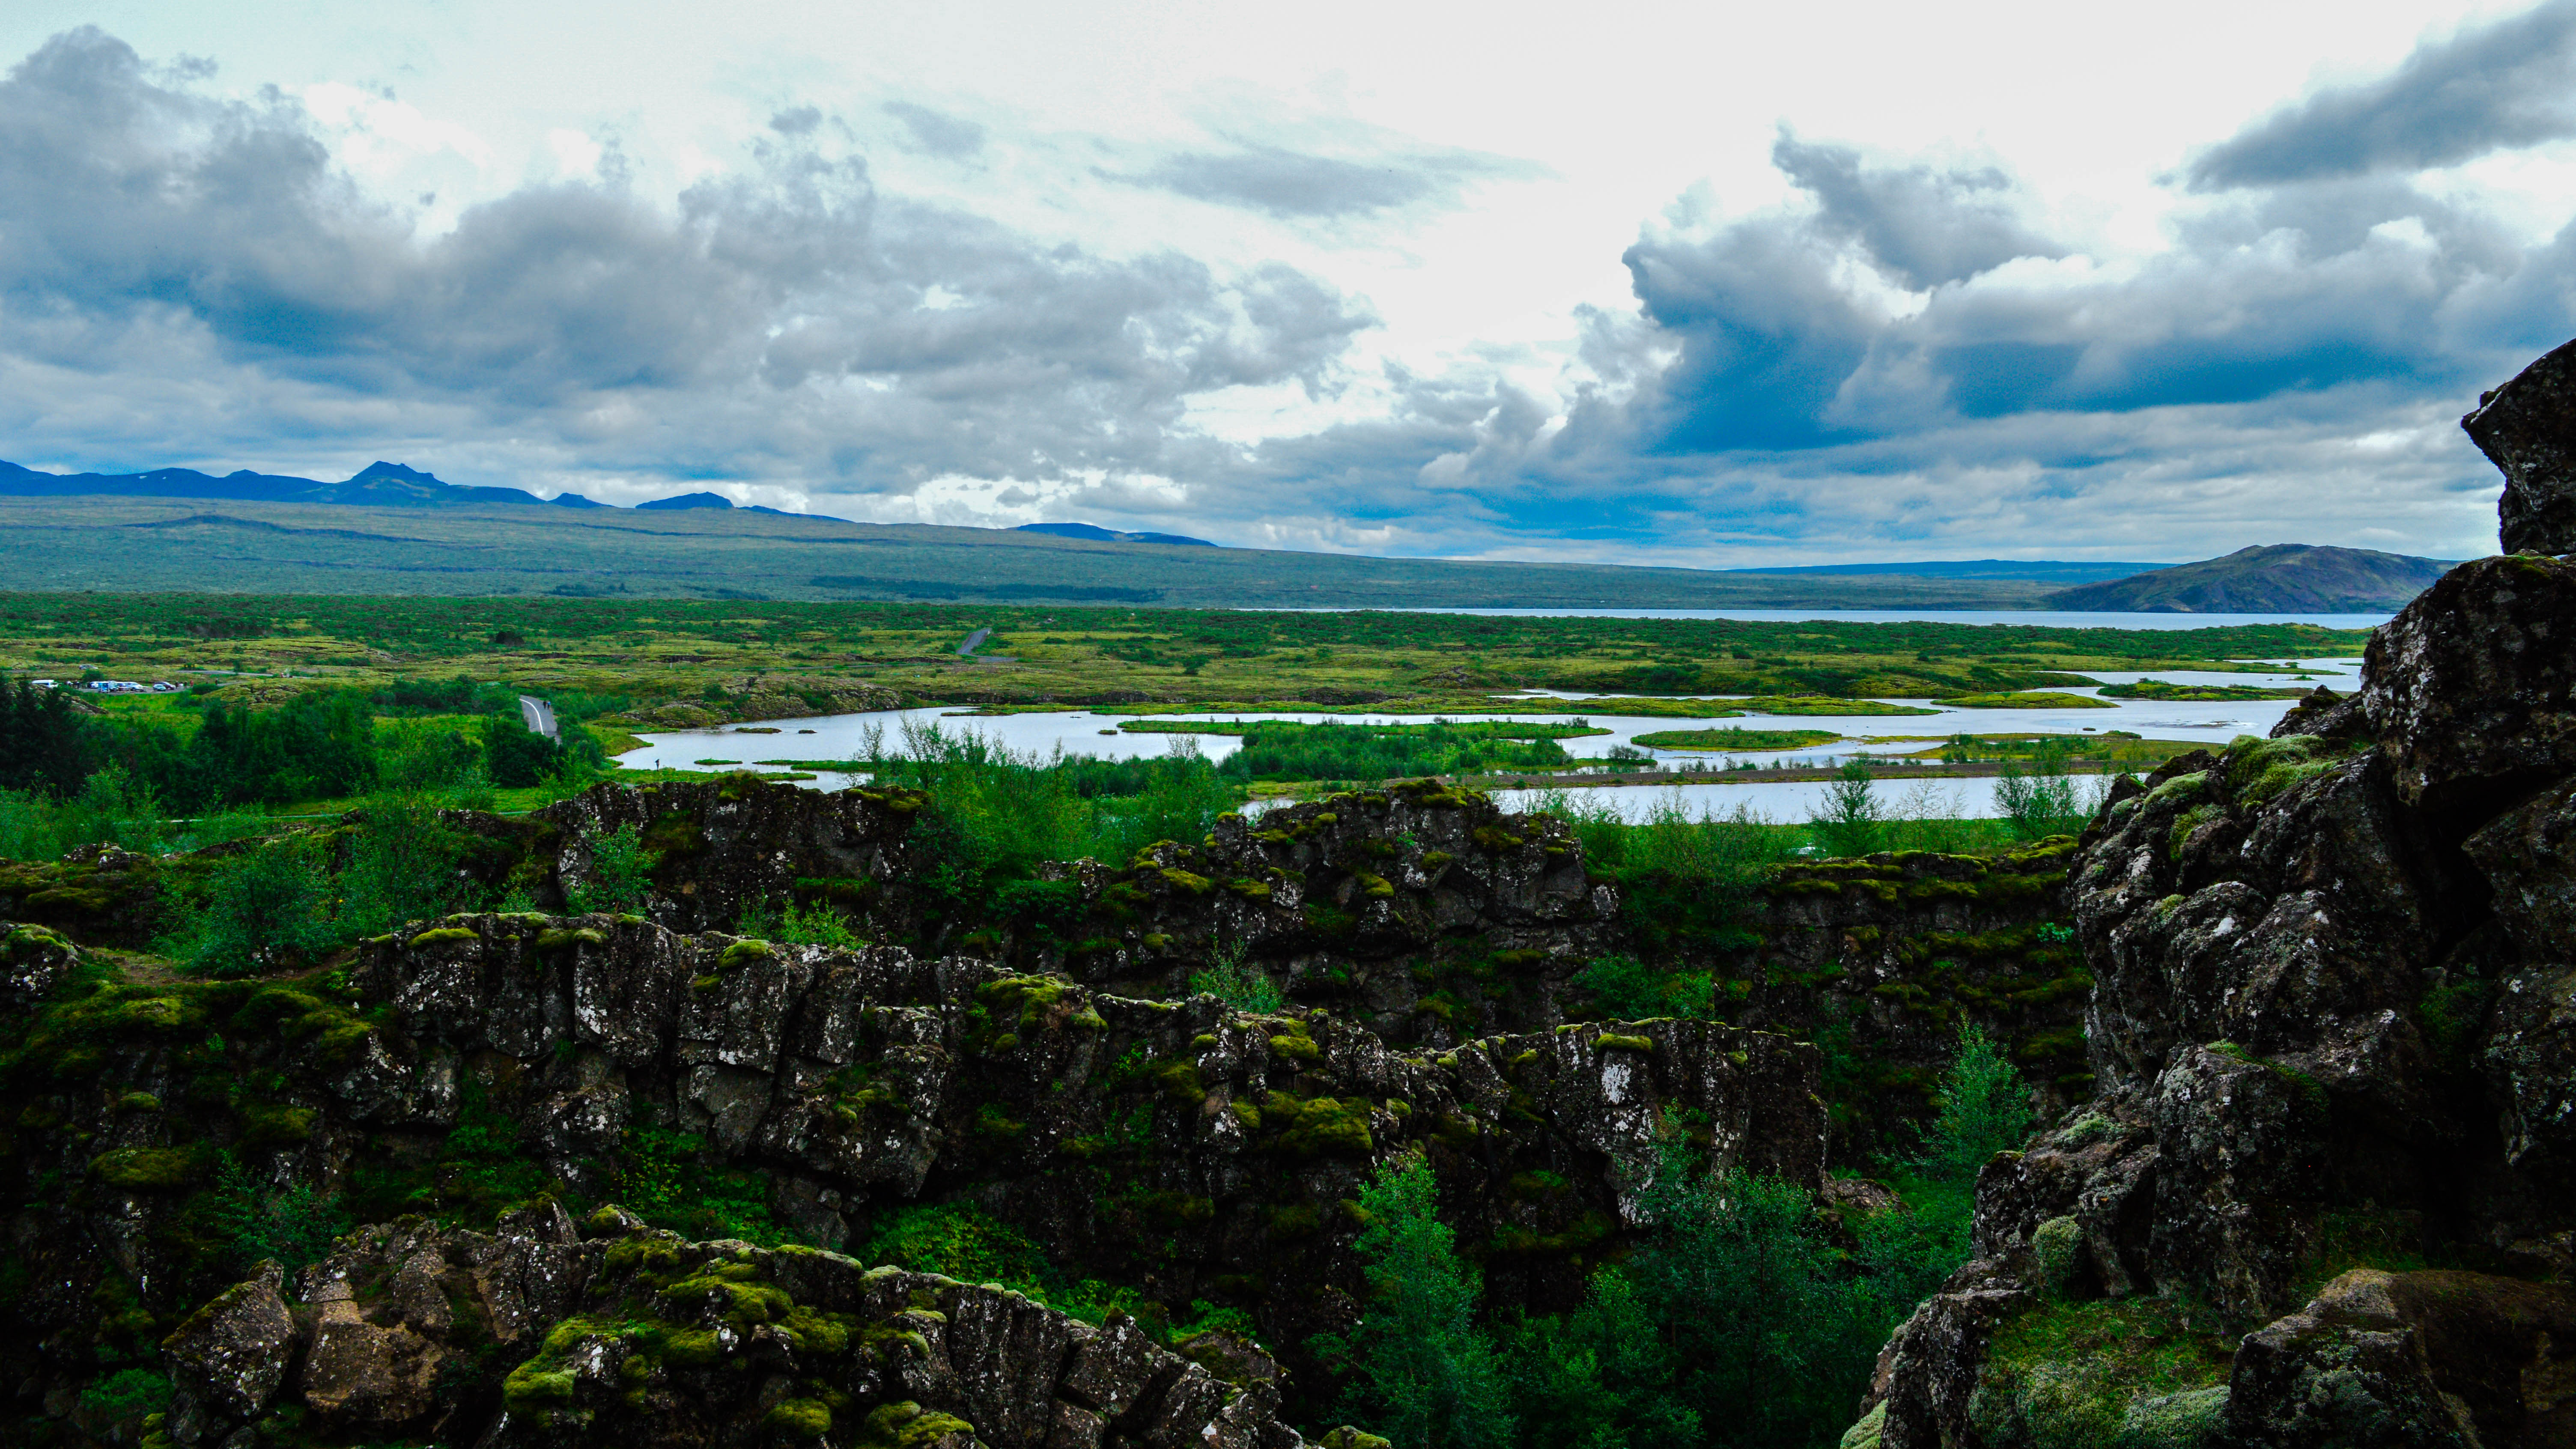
<point x="786" y="322"/>
<point x="1300" y="184"/>
<point x="1900" y="359"/>
<point x="1925" y="225"/>
<point x="1789" y="332"/>
<point x="2507" y="84"/>
<point x="1908" y="356"/>
<point x="936" y="132"/>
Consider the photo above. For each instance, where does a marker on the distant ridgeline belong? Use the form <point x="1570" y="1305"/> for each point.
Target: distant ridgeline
<point x="378" y="485"/>
<point x="391" y="485"/>
<point x="148" y="532"/>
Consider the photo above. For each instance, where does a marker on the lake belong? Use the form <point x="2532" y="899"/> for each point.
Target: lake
<point x="1086" y="732"/>
<point x="2037" y="618"/>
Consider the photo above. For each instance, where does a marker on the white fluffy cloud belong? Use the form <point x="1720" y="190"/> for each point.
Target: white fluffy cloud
<point x="1265" y="320"/>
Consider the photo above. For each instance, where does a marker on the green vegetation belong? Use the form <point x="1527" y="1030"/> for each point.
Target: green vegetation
<point x="264" y="910"/>
<point x="2027" y="699"/>
<point x="1623" y="988"/>
<point x="1237" y="983"/>
<point x="2043" y="802"/>
<point x="1415" y="1368"/>
<point x="625" y="662"/>
<point x="1739" y="1319"/>
<point x="1001" y="812"/>
<point x="2109" y="747"/>
<point x="621" y="872"/>
<point x="1737" y="739"/>
<point x="292" y="1223"/>
<point x="2159" y="689"/>
<point x="2127" y="1374"/>
<point x="1373" y="752"/>
<point x="1849" y="821"/>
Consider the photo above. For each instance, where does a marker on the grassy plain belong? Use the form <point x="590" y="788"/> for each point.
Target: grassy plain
<point x="642" y="663"/>
<point x="207" y="546"/>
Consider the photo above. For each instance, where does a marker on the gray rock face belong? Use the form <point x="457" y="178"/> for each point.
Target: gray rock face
<point x="2411" y="1359"/>
<point x="649" y="1340"/>
<point x="857" y="1076"/>
<point x="2333" y="995"/>
<point x="2527" y="428"/>
<point x="2471" y="690"/>
<point x="229" y="1359"/>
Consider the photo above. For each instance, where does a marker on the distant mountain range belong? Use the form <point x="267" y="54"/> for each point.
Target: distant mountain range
<point x="2281" y="578"/>
<point x="102" y="544"/>
<point x="391" y="485"/>
<point x="378" y="485"/>
<point x="1108" y="535"/>
<point x="2040" y="570"/>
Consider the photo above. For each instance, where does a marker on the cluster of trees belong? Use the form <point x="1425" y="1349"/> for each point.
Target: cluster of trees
<point x="1286" y="751"/>
<point x="1741" y="1319"/>
<point x="320" y="744"/>
<point x="999" y="811"/>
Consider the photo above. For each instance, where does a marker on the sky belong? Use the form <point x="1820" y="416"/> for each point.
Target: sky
<point x="1673" y="283"/>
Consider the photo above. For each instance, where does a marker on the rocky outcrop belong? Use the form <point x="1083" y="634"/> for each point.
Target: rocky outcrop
<point x="2329" y="1031"/>
<point x="718" y="846"/>
<point x="1194" y="1152"/>
<point x="761" y="699"/>
<point x="876" y="1077"/>
<point x="539" y="1333"/>
<point x="1885" y="959"/>
<point x="2527" y="428"/>
<point x="1422" y="912"/>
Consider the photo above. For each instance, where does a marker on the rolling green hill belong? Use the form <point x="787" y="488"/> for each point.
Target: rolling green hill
<point x="2283" y="578"/>
<point x="190" y="544"/>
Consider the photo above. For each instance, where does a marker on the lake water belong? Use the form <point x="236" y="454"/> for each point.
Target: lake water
<point x="1085" y="732"/>
<point x="2037" y="618"/>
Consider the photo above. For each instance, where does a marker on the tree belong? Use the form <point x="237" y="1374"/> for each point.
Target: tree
<point x="1985" y="1109"/>
<point x="42" y="745"/>
<point x="1847" y="821"/>
<point x="2043" y="802"/>
<point x="1416" y="1368"/>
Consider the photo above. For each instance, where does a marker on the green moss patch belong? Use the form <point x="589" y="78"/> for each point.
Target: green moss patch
<point x="2083" y="1375"/>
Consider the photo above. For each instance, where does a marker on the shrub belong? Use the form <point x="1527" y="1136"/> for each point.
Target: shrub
<point x="1985" y="1109"/>
<point x="1237" y="983"/>
<point x="962" y="1242"/>
<point x="515" y="757"/>
<point x="265" y="908"/>
<point x="2047" y="801"/>
<point x="295" y="1224"/>
<point x="818" y="925"/>
<point x="671" y="1180"/>
<point x="402" y="866"/>
<point x="1847" y="821"/>
<point x="621" y="872"/>
<point x="1627" y="989"/>
<point x="126" y="1394"/>
<point x="1416" y="1367"/>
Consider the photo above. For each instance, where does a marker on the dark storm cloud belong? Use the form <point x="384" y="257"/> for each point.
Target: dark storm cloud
<point x="1925" y="224"/>
<point x="937" y="132"/>
<point x="2492" y="87"/>
<point x="788" y="318"/>
<point x="1298" y="184"/>
<point x="1767" y="392"/>
<point x="2288" y="292"/>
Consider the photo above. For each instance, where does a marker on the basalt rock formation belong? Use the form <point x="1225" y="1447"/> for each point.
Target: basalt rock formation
<point x="1195" y="1152"/>
<point x="2325" y="1191"/>
<point x="1032" y="1055"/>
<point x="2527" y="428"/>
<point x="622" y="1334"/>
<point x="1420" y="912"/>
